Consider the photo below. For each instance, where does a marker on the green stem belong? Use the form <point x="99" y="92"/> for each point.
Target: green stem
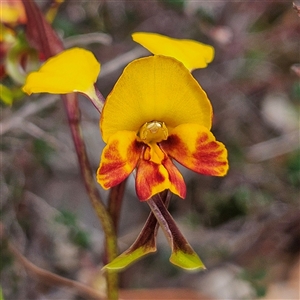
<point x="115" y="203"/>
<point x="73" y="113"/>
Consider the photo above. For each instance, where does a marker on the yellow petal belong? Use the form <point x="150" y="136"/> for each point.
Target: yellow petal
<point x="119" y="158"/>
<point x="196" y="148"/>
<point x="155" y="88"/>
<point x="191" y="53"/>
<point x="73" y="70"/>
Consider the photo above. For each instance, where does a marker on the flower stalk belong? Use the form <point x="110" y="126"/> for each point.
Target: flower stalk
<point x="73" y="113"/>
<point x="115" y="202"/>
<point x="42" y="36"/>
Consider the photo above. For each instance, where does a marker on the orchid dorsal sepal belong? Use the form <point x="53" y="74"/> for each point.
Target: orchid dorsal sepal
<point x="192" y="54"/>
<point x="72" y="70"/>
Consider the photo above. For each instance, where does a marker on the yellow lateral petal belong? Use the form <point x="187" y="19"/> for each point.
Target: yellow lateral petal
<point x="191" y="53"/>
<point x="73" y="70"/>
<point x="118" y="159"/>
<point x="196" y="148"/>
<point x="156" y="88"/>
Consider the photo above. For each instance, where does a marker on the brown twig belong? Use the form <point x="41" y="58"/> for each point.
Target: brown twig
<point x="121" y="61"/>
<point x="274" y="147"/>
<point x="28" y="109"/>
<point x="50" y="278"/>
<point x="87" y="38"/>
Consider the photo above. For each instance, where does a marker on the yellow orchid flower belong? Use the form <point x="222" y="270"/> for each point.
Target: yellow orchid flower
<point x="191" y="53"/>
<point x="155" y="113"/>
<point x="73" y="70"/>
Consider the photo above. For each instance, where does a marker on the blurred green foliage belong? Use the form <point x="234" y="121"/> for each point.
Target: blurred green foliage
<point x="77" y="235"/>
<point x="256" y="278"/>
<point x="42" y="152"/>
<point x="293" y="169"/>
<point x="174" y="4"/>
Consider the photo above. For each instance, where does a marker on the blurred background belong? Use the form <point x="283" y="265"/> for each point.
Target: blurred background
<point x="245" y="226"/>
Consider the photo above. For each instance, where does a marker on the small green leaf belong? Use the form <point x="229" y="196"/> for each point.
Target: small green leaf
<point x="6" y="95"/>
<point x="187" y="261"/>
<point x="1" y="294"/>
<point x="127" y="258"/>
